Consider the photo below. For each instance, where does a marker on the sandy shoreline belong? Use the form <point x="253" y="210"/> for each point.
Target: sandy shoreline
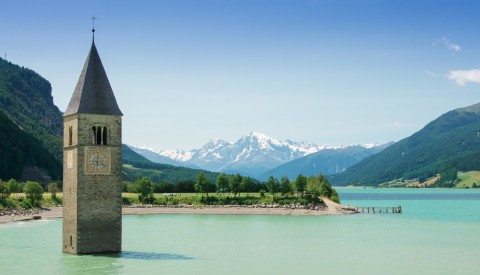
<point x="332" y="209"/>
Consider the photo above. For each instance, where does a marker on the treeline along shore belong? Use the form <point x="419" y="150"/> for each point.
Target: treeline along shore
<point x="304" y="196"/>
<point x="328" y="207"/>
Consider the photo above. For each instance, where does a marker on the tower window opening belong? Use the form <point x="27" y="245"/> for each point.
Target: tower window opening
<point x="99" y="135"/>
<point x="70" y="134"/>
<point x="94" y="136"/>
<point x="105" y="135"/>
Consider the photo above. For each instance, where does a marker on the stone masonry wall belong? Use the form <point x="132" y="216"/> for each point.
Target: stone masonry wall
<point x="98" y="202"/>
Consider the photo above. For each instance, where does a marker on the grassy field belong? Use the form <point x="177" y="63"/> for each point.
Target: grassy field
<point x="467" y="179"/>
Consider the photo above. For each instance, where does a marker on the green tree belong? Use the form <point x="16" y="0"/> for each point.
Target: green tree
<point x="313" y="188"/>
<point x="222" y="183"/>
<point x="33" y="191"/>
<point x="334" y="197"/>
<point x="144" y="188"/>
<point x="125" y="186"/>
<point x="285" y="186"/>
<point x="448" y="176"/>
<point x="272" y="185"/>
<point x="234" y="183"/>
<point x="202" y="183"/>
<point x="326" y="189"/>
<point x="4" y="190"/>
<point x="163" y="187"/>
<point x="299" y="184"/>
<point x="52" y="188"/>
<point x="246" y="184"/>
<point x="13" y="186"/>
<point x="318" y="187"/>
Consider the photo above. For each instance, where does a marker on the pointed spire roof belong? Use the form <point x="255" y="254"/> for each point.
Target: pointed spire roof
<point x="93" y="93"/>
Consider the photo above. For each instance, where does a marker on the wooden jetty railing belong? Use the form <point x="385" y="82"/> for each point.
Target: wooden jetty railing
<point x="378" y="209"/>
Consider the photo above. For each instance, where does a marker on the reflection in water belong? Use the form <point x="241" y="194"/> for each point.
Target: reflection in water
<point x="152" y="256"/>
<point x="90" y="264"/>
<point x="111" y="263"/>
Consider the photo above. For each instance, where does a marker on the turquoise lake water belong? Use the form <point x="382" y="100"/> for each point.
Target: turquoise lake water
<point x="438" y="233"/>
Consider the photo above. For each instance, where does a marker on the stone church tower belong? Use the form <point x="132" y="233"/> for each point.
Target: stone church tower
<point x="92" y="164"/>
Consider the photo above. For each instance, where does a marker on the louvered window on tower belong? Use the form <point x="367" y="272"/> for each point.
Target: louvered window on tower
<point x="70" y="134"/>
<point x="99" y="135"/>
<point x="104" y="135"/>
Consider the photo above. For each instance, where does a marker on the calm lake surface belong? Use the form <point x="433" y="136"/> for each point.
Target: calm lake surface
<point x="438" y="233"/>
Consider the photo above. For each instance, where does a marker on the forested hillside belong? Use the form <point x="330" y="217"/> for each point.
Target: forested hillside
<point x="446" y="145"/>
<point x="26" y="98"/>
<point x="20" y="150"/>
<point x="135" y="166"/>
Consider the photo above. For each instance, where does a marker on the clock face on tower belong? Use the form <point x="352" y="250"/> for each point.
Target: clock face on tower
<point x="97" y="162"/>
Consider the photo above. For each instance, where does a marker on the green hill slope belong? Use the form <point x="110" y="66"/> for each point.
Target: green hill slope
<point x="26" y="98"/>
<point x="23" y="157"/>
<point x="448" y="144"/>
<point x="135" y="166"/>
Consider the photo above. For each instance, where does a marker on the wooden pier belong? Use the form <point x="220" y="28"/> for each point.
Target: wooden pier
<point x="378" y="209"/>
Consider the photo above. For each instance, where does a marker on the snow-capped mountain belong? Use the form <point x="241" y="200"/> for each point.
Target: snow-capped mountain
<point x="249" y="155"/>
<point x="155" y="156"/>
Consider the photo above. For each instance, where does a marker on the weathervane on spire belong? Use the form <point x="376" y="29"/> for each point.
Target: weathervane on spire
<point x="93" y="27"/>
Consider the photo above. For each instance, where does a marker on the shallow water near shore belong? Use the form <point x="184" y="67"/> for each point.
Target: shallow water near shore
<point x="437" y="233"/>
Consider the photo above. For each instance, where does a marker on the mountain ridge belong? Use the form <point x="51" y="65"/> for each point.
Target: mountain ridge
<point x="327" y="161"/>
<point x="250" y="155"/>
<point x="443" y="144"/>
<point x="26" y="98"/>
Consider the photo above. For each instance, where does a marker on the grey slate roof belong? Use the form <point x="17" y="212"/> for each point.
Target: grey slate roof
<point x="93" y="93"/>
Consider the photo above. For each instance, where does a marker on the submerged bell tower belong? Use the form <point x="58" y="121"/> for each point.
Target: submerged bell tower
<point x="92" y="164"/>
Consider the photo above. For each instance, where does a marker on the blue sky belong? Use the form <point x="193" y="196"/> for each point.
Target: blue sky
<point x="327" y="72"/>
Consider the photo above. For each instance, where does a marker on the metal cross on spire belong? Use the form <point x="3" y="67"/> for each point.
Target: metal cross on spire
<point x="93" y="27"/>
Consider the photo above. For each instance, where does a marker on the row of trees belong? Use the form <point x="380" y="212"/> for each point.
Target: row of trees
<point x="233" y="184"/>
<point x="240" y="184"/>
<point x="309" y="187"/>
<point x="33" y="192"/>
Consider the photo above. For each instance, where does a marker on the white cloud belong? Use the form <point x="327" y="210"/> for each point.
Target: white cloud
<point x="450" y="45"/>
<point x="464" y="76"/>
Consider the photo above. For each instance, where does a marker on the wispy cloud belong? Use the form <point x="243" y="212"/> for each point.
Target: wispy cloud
<point x="462" y="77"/>
<point x="430" y="73"/>
<point x="393" y="125"/>
<point x="447" y="43"/>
